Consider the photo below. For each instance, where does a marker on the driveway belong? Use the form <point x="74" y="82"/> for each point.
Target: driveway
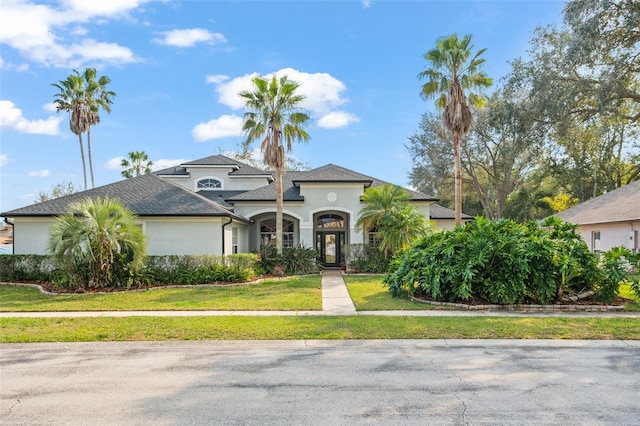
<point x="394" y="382"/>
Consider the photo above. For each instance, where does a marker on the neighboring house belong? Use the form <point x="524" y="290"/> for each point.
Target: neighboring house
<point x="217" y="205"/>
<point x="610" y="220"/>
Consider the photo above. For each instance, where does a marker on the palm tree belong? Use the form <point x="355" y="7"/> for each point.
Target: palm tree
<point x="70" y="98"/>
<point x="96" y="242"/>
<point x="97" y="97"/>
<point x="275" y="116"/>
<point x="82" y="96"/>
<point x="387" y="210"/>
<point x="137" y="164"/>
<point x="453" y="71"/>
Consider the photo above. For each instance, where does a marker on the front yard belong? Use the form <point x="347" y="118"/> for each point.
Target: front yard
<point x="291" y="294"/>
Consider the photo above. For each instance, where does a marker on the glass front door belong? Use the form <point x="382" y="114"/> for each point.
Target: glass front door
<point x="330" y="246"/>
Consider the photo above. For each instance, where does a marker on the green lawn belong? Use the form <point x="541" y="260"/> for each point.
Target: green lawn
<point x="20" y="330"/>
<point x="290" y="294"/>
<point x="369" y="294"/>
<point x="300" y="293"/>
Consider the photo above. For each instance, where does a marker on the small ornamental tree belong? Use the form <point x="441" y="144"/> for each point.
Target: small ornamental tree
<point x="98" y="244"/>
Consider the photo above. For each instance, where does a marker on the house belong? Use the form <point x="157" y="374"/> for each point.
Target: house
<point x="217" y="205"/>
<point x="610" y="220"/>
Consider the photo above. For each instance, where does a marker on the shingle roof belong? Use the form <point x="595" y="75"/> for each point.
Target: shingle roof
<point x="329" y="173"/>
<point x="620" y="205"/>
<point x="220" y="196"/>
<point x="240" y="168"/>
<point x="436" y="211"/>
<point x="332" y="173"/>
<point x="290" y="192"/>
<point x="146" y="195"/>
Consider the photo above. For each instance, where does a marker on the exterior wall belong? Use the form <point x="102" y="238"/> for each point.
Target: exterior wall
<point x="229" y="183"/>
<point x="30" y="235"/>
<point x="445" y="224"/>
<point x="165" y="236"/>
<point x="612" y="235"/>
<point x="184" y="235"/>
<point x="318" y="198"/>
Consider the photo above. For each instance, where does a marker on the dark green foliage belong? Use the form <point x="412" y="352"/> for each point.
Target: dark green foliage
<point x="500" y="262"/>
<point x="157" y="270"/>
<point x="618" y="264"/>
<point x="201" y="269"/>
<point x="364" y="258"/>
<point x="297" y="260"/>
<point x="26" y="268"/>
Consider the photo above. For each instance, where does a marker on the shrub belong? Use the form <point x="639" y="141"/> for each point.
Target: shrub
<point x="297" y="260"/>
<point x="364" y="258"/>
<point x="198" y="269"/>
<point x="27" y="268"/>
<point x="501" y="262"/>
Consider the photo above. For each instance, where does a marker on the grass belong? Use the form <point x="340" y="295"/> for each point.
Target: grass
<point x="290" y="294"/>
<point x="369" y="294"/>
<point x="301" y="293"/>
<point x="24" y="330"/>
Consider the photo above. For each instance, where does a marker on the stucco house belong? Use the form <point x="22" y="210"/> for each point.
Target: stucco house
<point x="218" y="205"/>
<point x="610" y="220"/>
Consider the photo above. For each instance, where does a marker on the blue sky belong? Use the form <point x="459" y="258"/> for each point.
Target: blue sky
<point x="177" y="66"/>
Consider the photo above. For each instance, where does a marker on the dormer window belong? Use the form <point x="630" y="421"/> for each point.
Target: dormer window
<point x="208" y="183"/>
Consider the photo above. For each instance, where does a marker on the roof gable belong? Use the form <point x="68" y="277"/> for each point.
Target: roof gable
<point x="329" y="173"/>
<point x="619" y="205"/>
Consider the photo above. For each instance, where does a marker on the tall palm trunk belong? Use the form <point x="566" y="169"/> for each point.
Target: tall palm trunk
<point x="279" y="207"/>
<point x="84" y="165"/>
<point x="93" y="185"/>
<point x="458" y="178"/>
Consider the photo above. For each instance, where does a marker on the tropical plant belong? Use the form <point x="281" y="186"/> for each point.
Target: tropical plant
<point x="387" y="210"/>
<point x="275" y="116"/>
<point x="82" y="96"/>
<point x="504" y="262"/>
<point x="453" y="70"/>
<point x="98" y="243"/>
<point x="136" y="164"/>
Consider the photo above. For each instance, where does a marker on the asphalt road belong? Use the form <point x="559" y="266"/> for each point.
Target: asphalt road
<point x="396" y="382"/>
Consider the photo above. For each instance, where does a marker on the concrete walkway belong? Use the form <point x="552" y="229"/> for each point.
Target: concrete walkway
<point x="335" y="296"/>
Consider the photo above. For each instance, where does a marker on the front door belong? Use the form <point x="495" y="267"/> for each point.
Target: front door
<point x="330" y="246"/>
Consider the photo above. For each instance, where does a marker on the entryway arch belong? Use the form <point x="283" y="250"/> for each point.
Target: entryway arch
<point x="330" y="229"/>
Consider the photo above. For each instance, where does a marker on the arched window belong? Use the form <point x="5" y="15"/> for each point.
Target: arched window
<point x="268" y="232"/>
<point x="209" y="183"/>
<point x="330" y="221"/>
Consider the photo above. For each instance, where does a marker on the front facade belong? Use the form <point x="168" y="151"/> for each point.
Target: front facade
<point x="217" y="205"/>
<point x="610" y="220"/>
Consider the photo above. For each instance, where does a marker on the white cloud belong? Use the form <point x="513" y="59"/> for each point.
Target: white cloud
<point x="47" y="33"/>
<point x="366" y="4"/>
<point x="51" y="107"/>
<point x="39" y="173"/>
<point x="336" y="119"/>
<point x="216" y="79"/>
<point x="189" y="37"/>
<point x="322" y="92"/>
<point x="11" y="118"/>
<point x="4" y="160"/>
<point x="225" y="126"/>
<point x="114" y="164"/>
<point x="165" y="163"/>
<point x="9" y="66"/>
